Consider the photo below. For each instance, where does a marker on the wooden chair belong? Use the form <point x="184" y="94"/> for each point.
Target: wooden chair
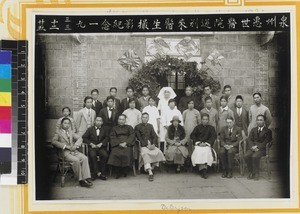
<point x="239" y="156"/>
<point x="139" y="156"/>
<point x="216" y="165"/>
<point x="266" y="157"/>
<point x="168" y="163"/>
<point x="133" y="163"/>
<point x="63" y="168"/>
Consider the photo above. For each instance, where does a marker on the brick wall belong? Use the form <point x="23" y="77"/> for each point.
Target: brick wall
<point x="73" y="69"/>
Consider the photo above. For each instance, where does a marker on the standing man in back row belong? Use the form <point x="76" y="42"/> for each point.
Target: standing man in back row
<point x="214" y="98"/>
<point x="241" y="115"/>
<point x="97" y="105"/>
<point x="258" y="109"/>
<point x="85" y="116"/>
<point x="143" y="100"/>
<point x="228" y="95"/>
<point x="117" y="103"/>
<point x="183" y="102"/>
<point x="125" y="101"/>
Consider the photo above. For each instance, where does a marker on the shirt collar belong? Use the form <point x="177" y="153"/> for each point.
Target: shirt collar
<point x="223" y="109"/>
<point x="208" y="109"/>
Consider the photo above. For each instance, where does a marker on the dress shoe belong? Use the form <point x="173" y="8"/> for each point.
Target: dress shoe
<point x="151" y="178"/>
<point x="204" y="175"/>
<point x="250" y="176"/>
<point x="201" y="173"/>
<point x="119" y="175"/>
<point x="102" y="177"/>
<point x="89" y="180"/>
<point x="84" y="183"/>
<point x="93" y="178"/>
<point x="229" y="175"/>
<point x="256" y="177"/>
<point x="224" y="174"/>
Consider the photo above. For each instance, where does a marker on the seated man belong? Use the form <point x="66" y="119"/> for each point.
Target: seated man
<point x="122" y="138"/>
<point x="150" y="153"/>
<point x="230" y="137"/>
<point x="256" y="146"/>
<point x="64" y="139"/>
<point x="203" y="137"/>
<point x="97" y="137"/>
<point x="176" y="151"/>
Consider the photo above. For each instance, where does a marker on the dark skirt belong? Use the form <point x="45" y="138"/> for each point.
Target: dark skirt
<point x="121" y="157"/>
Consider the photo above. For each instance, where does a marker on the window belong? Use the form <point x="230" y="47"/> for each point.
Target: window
<point x="176" y="80"/>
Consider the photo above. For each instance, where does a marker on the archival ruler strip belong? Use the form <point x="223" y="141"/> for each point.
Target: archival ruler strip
<point x="5" y="117"/>
<point x="19" y="104"/>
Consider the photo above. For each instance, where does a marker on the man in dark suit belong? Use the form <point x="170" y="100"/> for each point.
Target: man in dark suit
<point x="97" y="137"/>
<point x="256" y="146"/>
<point x="125" y="101"/>
<point x="117" y="103"/>
<point x="230" y="137"/>
<point x="241" y="115"/>
<point x="97" y="105"/>
<point x="109" y="113"/>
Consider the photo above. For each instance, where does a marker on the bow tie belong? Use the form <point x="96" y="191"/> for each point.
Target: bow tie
<point x="97" y="128"/>
<point x="111" y="109"/>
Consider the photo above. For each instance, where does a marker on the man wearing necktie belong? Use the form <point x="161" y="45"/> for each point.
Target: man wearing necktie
<point x="108" y="113"/>
<point x="68" y="142"/>
<point x="97" y="105"/>
<point x="241" y="115"/>
<point x="256" y="146"/>
<point x="85" y="116"/>
<point x="230" y="137"/>
<point x="97" y="137"/>
<point x="117" y="103"/>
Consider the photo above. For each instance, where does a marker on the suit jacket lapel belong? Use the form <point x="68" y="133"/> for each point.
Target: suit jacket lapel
<point x="84" y="113"/>
<point x="64" y="136"/>
<point x="262" y="132"/>
<point x="106" y="113"/>
<point x="93" y="115"/>
<point x="235" y="112"/>
<point x="94" y="132"/>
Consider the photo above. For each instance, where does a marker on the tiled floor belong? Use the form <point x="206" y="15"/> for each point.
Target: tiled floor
<point x="168" y="185"/>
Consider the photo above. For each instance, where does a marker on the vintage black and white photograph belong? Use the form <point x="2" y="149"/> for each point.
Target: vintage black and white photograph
<point x="162" y="107"/>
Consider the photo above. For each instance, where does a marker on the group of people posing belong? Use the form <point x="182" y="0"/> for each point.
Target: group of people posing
<point x="163" y="132"/>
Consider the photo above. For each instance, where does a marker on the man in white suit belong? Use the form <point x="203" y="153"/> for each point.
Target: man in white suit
<point x="85" y="116"/>
<point x="68" y="143"/>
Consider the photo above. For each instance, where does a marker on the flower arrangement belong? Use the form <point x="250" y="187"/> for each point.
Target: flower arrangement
<point x="155" y="73"/>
